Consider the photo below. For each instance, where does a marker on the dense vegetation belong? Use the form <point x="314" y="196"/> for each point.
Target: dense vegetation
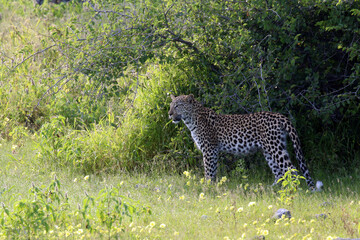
<point x="91" y="80"/>
<point x="86" y="146"/>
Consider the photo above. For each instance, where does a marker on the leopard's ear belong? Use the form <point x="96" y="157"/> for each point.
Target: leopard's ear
<point x="190" y="98"/>
<point x="172" y="97"/>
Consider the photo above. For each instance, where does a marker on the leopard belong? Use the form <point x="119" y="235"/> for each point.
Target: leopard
<point x="239" y="134"/>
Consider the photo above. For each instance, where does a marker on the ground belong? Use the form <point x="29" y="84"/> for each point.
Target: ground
<point x="181" y="206"/>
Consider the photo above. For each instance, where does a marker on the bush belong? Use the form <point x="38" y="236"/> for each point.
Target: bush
<point x="48" y="213"/>
<point x="121" y="140"/>
<point x="120" y="59"/>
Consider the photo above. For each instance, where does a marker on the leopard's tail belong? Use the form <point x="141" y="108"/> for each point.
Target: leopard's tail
<point x="290" y="129"/>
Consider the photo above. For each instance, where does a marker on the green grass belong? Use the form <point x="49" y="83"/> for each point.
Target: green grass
<point x="179" y="207"/>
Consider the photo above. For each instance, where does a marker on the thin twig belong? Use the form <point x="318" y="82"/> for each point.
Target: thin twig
<point x="47" y="91"/>
<point x="259" y="95"/>
<point x="41" y="51"/>
<point x="262" y="78"/>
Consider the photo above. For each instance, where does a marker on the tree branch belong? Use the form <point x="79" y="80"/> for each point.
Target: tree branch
<point x="41" y="51"/>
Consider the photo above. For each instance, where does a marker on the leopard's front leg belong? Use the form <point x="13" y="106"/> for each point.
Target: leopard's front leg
<point x="210" y="158"/>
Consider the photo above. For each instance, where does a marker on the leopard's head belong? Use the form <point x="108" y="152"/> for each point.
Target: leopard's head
<point x="181" y="107"/>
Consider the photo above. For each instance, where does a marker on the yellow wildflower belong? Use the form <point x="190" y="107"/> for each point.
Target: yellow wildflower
<point x="187" y="174"/>
<point x="201" y="196"/>
<point x="223" y="179"/>
<point x="307" y="237"/>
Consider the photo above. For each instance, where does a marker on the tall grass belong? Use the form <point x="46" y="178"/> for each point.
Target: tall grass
<point x="118" y="140"/>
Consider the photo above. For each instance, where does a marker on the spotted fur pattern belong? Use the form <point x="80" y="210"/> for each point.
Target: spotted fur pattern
<point x="238" y="134"/>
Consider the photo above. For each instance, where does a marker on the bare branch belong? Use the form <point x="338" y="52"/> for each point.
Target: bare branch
<point x="263" y="80"/>
<point x="38" y="52"/>
<point x="50" y="88"/>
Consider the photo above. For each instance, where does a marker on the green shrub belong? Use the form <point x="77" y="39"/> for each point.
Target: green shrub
<point x="121" y="140"/>
<point x="98" y="59"/>
<point x="46" y="212"/>
<point x="290" y="183"/>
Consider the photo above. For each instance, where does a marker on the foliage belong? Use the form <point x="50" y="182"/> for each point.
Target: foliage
<point x="81" y="149"/>
<point x="104" y="146"/>
<point x="115" y="62"/>
<point x="32" y="216"/>
<point x="289" y="186"/>
<point x="47" y="212"/>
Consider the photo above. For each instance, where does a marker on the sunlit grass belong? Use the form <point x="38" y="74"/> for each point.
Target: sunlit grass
<point x="186" y="206"/>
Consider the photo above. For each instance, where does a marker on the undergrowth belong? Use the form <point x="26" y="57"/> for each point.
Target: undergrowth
<point x="46" y="213"/>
